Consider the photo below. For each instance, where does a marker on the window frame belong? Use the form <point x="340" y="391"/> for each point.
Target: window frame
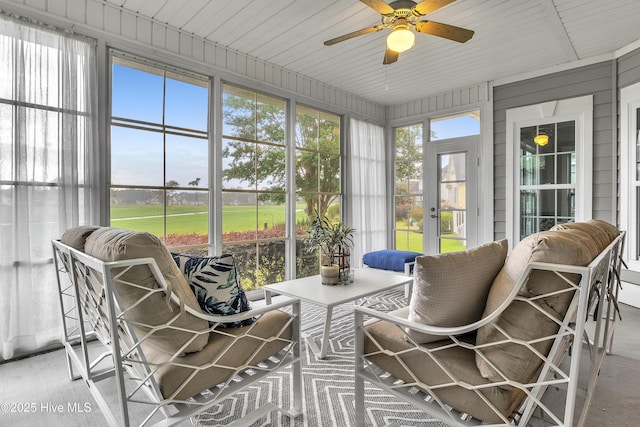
<point x="215" y="130"/>
<point x="580" y="110"/>
<point x="418" y="196"/>
<point x="255" y="191"/>
<point x="164" y="129"/>
<point x="629" y="187"/>
<point x="294" y="193"/>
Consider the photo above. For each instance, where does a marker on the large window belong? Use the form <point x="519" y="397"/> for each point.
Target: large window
<point x="547" y="176"/>
<point x="408" y="188"/>
<point x="253" y="186"/>
<point x="48" y="131"/>
<point x="159" y="154"/>
<point x="317" y="160"/>
<point x="549" y="165"/>
<point x="630" y="172"/>
<point x="160" y="177"/>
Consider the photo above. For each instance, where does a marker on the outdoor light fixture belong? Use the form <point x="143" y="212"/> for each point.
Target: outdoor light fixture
<point x="401" y="39"/>
<point x="541" y="139"/>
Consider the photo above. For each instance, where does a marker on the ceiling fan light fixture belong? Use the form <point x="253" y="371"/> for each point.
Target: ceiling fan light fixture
<point x="541" y="139"/>
<point x="401" y="39"/>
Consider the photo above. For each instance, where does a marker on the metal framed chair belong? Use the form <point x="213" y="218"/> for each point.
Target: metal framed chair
<point x="461" y="382"/>
<point x="171" y="362"/>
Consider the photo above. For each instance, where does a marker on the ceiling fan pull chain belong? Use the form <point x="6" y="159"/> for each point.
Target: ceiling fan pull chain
<point x="386" y="78"/>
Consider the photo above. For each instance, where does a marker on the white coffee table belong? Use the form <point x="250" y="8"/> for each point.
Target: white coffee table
<point x="367" y="281"/>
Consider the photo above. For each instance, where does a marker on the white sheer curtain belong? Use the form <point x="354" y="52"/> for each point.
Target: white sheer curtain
<point x="47" y="128"/>
<point x="368" y="188"/>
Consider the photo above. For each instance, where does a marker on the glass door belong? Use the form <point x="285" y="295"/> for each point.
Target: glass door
<point x="452" y="196"/>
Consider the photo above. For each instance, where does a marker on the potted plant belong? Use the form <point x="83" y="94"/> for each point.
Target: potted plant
<point x="333" y="240"/>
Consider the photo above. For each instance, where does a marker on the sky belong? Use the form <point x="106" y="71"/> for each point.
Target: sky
<point x="455" y="127"/>
<point x="137" y="155"/>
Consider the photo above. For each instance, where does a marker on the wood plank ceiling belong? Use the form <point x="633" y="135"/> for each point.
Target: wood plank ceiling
<point x="511" y="37"/>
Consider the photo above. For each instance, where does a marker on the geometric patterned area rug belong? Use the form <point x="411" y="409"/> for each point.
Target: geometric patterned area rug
<point x="328" y="384"/>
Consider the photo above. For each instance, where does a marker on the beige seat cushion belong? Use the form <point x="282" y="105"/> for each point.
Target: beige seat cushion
<point x="113" y="244"/>
<point x="522" y="321"/>
<point x="451" y="289"/>
<point x="460" y="362"/>
<point x="223" y="352"/>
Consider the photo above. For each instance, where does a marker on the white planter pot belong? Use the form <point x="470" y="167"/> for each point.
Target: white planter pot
<point x="330" y="274"/>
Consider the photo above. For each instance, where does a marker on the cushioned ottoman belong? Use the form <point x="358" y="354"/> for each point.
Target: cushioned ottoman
<point x="394" y="260"/>
<point x="391" y="259"/>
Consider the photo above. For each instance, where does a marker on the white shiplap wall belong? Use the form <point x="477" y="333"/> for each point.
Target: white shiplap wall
<point x="120" y="27"/>
<point x="431" y="106"/>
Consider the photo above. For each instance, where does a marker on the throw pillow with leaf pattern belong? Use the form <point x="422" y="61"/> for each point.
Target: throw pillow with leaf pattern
<point x="214" y="282"/>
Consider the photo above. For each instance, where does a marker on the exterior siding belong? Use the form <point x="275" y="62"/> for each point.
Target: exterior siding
<point x="593" y="79"/>
<point x="629" y="69"/>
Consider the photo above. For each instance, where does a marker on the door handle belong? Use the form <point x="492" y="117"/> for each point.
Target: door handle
<point x="433" y="216"/>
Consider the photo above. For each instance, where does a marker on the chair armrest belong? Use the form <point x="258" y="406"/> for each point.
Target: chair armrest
<point x="245" y="315"/>
<point x="151" y="263"/>
<point x="419" y="327"/>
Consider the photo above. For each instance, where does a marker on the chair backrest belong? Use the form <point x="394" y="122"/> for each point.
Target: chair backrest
<point x="145" y="301"/>
<point x="82" y="293"/>
<point x="531" y="319"/>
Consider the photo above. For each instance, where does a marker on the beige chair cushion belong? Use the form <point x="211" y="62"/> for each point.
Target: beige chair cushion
<point x="607" y="228"/>
<point x="113" y="244"/>
<point x="522" y="321"/>
<point x="77" y="236"/>
<point x="223" y="352"/>
<point x="460" y="363"/>
<point x="600" y="231"/>
<point x="451" y="289"/>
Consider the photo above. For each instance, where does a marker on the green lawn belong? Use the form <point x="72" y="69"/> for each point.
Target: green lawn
<point x="187" y="219"/>
<point x="412" y="241"/>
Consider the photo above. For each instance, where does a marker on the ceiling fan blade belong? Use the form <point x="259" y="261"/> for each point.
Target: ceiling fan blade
<point x="353" y="34"/>
<point x="446" y="31"/>
<point x="379" y="6"/>
<point x="390" y="57"/>
<point x="428" y="6"/>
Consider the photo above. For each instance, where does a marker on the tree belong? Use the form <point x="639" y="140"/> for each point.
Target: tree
<point x="171" y="193"/>
<point x="317" y="162"/>
<point x="195" y="183"/>
<point x="263" y="166"/>
<point x="254" y="153"/>
<point x="408" y="157"/>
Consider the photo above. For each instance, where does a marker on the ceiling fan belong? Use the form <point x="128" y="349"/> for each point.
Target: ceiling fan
<point x="402" y="16"/>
